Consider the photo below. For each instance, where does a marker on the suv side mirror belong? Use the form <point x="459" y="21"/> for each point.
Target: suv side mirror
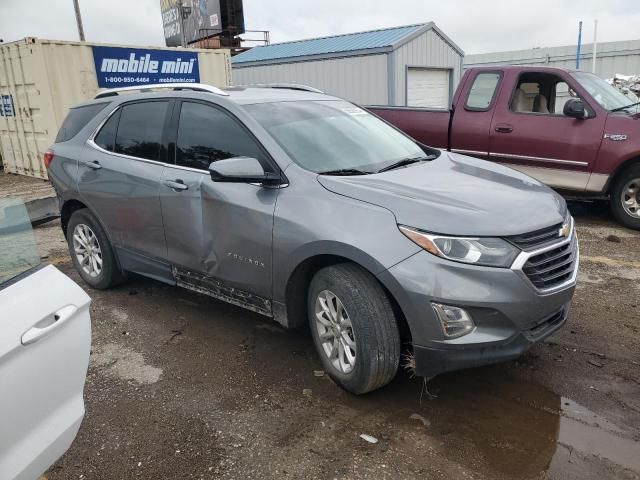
<point x="575" y="108"/>
<point x="241" y="170"/>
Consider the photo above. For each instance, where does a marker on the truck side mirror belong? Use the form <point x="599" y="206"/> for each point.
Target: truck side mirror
<point x="575" y="108"/>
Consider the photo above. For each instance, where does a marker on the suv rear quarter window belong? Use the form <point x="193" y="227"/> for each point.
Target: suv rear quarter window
<point x="140" y="129"/>
<point x="76" y="119"/>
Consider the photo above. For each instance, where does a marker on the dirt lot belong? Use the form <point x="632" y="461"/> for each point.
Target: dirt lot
<point x="184" y="386"/>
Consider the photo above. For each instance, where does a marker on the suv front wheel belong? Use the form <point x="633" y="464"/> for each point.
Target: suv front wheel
<point x="353" y="327"/>
<point x="91" y="251"/>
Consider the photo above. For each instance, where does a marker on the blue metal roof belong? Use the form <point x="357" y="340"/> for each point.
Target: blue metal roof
<point x="328" y="45"/>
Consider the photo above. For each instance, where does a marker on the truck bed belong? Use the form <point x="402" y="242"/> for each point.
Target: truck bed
<point x="412" y="121"/>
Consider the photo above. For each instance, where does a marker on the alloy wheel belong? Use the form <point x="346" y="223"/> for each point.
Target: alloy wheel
<point x="335" y="331"/>
<point x="631" y="198"/>
<point x="87" y="250"/>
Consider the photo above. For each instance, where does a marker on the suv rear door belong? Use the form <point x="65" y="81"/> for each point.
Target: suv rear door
<point x="220" y="231"/>
<point x="120" y="175"/>
<point x="44" y="352"/>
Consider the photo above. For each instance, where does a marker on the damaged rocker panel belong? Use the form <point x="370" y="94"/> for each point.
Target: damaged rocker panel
<point x="217" y="289"/>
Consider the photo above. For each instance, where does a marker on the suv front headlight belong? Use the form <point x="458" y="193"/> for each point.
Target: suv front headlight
<point x="489" y="252"/>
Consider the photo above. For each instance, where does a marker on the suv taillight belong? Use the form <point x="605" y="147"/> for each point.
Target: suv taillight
<point x="48" y="158"/>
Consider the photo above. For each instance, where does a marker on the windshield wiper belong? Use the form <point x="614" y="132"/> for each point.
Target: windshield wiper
<point x="625" y="107"/>
<point x="403" y="163"/>
<point x="345" y="171"/>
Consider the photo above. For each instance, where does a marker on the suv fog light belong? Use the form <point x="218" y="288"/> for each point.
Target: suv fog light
<point x="455" y="321"/>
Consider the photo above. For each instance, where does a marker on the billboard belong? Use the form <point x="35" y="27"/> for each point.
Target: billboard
<point x="204" y="20"/>
<point x="124" y="67"/>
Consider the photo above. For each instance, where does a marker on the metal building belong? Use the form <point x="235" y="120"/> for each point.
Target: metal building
<point x="611" y="58"/>
<point x="414" y="65"/>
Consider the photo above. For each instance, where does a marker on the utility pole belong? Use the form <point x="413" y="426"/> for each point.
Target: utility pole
<point x="76" y="6"/>
<point x="595" y="45"/>
<point x="579" y="45"/>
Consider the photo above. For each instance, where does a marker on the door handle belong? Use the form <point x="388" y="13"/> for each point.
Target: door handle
<point x="176" y="185"/>
<point x="95" y="165"/>
<point x="48" y="325"/>
<point x="504" y="128"/>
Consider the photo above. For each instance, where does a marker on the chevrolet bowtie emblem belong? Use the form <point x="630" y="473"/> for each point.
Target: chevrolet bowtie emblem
<point x="565" y="231"/>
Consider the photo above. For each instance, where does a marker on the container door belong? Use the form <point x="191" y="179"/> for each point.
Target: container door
<point x="120" y="176"/>
<point x="44" y="352"/>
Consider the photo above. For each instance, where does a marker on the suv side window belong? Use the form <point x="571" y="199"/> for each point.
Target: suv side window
<point x="76" y="119"/>
<point x="106" y="138"/>
<point x="207" y="134"/>
<point x="140" y="129"/>
<point x="482" y="91"/>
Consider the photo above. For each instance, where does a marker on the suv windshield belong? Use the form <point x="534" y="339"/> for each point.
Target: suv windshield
<point x="18" y="248"/>
<point x="334" y="136"/>
<point x="607" y="96"/>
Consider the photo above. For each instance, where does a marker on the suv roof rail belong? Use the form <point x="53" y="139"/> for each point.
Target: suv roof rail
<point x="284" y="86"/>
<point x="198" y="87"/>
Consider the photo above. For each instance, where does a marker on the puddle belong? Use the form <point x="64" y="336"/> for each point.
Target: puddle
<point x="510" y="428"/>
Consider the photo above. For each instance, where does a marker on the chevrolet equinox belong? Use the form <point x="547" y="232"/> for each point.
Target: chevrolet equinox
<point x="309" y="209"/>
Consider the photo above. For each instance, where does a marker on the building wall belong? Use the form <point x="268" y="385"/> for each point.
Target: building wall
<point x="426" y="50"/>
<point x="361" y="79"/>
<point x="612" y="58"/>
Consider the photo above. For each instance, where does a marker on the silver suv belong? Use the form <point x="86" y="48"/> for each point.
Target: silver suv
<point x="310" y="210"/>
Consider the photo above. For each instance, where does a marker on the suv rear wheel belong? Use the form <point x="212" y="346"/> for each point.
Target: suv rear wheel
<point x="354" y="328"/>
<point x="625" y="198"/>
<point x="91" y="251"/>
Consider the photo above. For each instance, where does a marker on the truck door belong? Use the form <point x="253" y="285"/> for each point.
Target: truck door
<point x="218" y="234"/>
<point x="471" y="126"/>
<point x="530" y="133"/>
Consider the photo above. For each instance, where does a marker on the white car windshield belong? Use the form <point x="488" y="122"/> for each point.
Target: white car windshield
<point x="607" y="96"/>
<point x="324" y="136"/>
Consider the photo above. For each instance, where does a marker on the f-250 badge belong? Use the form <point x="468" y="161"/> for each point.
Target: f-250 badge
<point x="615" y="137"/>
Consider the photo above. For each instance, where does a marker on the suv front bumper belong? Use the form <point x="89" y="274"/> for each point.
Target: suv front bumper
<point x="509" y="312"/>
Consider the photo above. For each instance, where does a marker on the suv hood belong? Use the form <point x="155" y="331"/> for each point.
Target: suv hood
<point x="457" y="195"/>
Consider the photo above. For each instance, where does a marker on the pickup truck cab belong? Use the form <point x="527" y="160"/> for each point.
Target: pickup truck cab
<point x="568" y="129"/>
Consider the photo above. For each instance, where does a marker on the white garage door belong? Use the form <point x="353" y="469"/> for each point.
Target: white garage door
<point x="428" y="88"/>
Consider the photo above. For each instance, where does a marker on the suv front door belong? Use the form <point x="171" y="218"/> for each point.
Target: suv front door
<point x="219" y="235"/>
<point x="119" y="178"/>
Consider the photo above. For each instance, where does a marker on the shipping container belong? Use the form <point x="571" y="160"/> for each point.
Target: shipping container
<point x="41" y="79"/>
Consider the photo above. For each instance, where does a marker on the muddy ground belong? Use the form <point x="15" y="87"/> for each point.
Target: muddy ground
<point x="184" y="386"/>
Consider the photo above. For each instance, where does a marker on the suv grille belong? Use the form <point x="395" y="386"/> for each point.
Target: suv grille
<point x="537" y="239"/>
<point x="552" y="268"/>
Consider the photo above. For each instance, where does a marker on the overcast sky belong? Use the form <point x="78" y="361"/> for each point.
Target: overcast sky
<point x="475" y="25"/>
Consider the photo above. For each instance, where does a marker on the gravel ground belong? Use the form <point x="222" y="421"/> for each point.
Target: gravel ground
<point x="183" y="386"/>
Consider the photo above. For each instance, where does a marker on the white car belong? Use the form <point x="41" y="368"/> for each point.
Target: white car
<point x="45" y="343"/>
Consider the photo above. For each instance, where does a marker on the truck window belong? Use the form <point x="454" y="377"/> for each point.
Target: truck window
<point x="482" y="91"/>
<point x="540" y="93"/>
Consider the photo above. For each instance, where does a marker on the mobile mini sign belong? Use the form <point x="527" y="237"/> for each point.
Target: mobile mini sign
<point x="123" y="67"/>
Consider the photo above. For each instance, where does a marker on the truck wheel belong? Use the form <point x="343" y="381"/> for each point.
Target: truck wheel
<point x="353" y="327"/>
<point x="91" y="251"/>
<point x="625" y="198"/>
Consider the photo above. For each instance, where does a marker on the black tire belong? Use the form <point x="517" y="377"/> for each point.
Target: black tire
<point x="617" y="206"/>
<point x="110" y="275"/>
<point x="377" y="338"/>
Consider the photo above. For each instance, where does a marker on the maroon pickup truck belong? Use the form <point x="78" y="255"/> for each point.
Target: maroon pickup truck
<point x="568" y="129"/>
